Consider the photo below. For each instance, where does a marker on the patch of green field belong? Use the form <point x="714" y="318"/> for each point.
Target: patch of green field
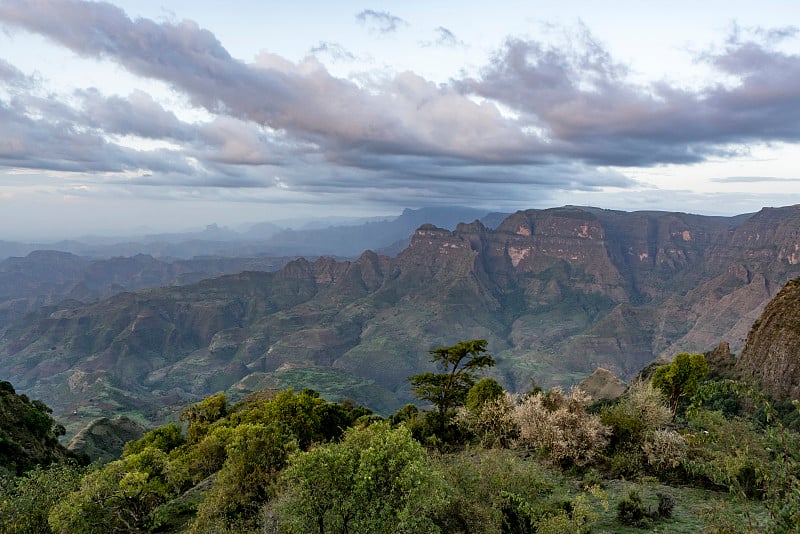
<point x="696" y="510"/>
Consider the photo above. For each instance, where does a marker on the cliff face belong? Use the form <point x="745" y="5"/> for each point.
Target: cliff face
<point x="771" y="355"/>
<point x="557" y="293"/>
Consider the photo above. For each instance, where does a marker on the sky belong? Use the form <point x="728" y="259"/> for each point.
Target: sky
<point x="147" y="115"/>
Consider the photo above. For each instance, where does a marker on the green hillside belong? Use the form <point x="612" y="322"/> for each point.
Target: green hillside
<point x="28" y="433"/>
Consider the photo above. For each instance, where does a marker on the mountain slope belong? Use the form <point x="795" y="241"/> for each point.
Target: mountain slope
<point x="28" y="434"/>
<point x="771" y="355"/>
<point x="556" y="293"/>
<point x="48" y="277"/>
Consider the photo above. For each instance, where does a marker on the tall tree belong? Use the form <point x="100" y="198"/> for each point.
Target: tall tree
<point x="459" y="366"/>
<point x="680" y="379"/>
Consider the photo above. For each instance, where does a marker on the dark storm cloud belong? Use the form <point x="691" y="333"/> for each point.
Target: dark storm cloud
<point x="382" y="22"/>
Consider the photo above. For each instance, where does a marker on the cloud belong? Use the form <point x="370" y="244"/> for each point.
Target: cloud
<point x="234" y="142"/>
<point x="137" y="115"/>
<point x="537" y="118"/>
<point x="59" y="145"/>
<point x="445" y="38"/>
<point x="381" y="22"/>
<point x="405" y="114"/>
<point x="333" y="50"/>
<point x="581" y="99"/>
<point x="11" y="76"/>
<point x="752" y="179"/>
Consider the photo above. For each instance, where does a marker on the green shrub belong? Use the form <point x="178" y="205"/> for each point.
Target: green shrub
<point x="255" y="455"/>
<point x="666" y="504"/>
<point x="625" y="463"/>
<point x="632" y="512"/>
<point x="26" y="501"/>
<point x="727" y="453"/>
<point x="680" y="380"/>
<point x="641" y="410"/>
<point x="377" y="479"/>
<point x="165" y="438"/>
<point x="665" y="451"/>
<point x="484" y="390"/>
<point x="480" y="489"/>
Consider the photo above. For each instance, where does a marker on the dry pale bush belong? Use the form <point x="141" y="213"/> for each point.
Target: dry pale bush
<point x="495" y="424"/>
<point x="558" y="426"/>
<point x="664" y="449"/>
<point x="646" y="403"/>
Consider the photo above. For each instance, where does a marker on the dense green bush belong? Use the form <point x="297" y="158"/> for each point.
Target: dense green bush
<point x="641" y="410"/>
<point x="728" y="453"/>
<point x="122" y="496"/>
<point x="680" y="380"/>
<point x="484" y="390"/>
<point x="28" y="434"/>
<point x="26" y="501"/>
<point x="377" y="479"/>
<point x="482" y="485"/>
<point x="256" y="453"/>
<point x="165" y="438"/>
<point x="637" y="422"/>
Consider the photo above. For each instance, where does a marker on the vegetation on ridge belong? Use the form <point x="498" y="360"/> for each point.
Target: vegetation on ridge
<point x="28" y="434"/>
<point x="545" y="461"/>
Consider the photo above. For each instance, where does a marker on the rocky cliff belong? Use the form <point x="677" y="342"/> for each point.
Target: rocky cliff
<point x="771" y="355"/>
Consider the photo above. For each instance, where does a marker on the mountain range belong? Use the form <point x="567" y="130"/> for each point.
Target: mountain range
<point x="557" y="293"/>
<point x="348" y="237"/>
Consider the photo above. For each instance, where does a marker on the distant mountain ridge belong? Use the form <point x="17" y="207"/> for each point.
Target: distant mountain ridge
<point x="265" y="239"/>
<point x="48" y="277"/>
<point x="556" y="292"/>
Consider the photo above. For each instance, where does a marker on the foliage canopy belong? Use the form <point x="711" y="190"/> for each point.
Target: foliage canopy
<point x="459" y="366"/>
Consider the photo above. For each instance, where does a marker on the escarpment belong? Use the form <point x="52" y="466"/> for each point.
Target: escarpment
<point x="771" y="355"/>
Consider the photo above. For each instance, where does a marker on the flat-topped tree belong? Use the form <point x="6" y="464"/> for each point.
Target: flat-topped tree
<point x="460" y="365"/>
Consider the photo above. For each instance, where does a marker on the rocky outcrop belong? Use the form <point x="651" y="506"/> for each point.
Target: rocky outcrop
<point x="602" y="385"/>
<point x="721" y="361"/>
<point x="771" y="355"/>
<point x="103" y="439"/>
